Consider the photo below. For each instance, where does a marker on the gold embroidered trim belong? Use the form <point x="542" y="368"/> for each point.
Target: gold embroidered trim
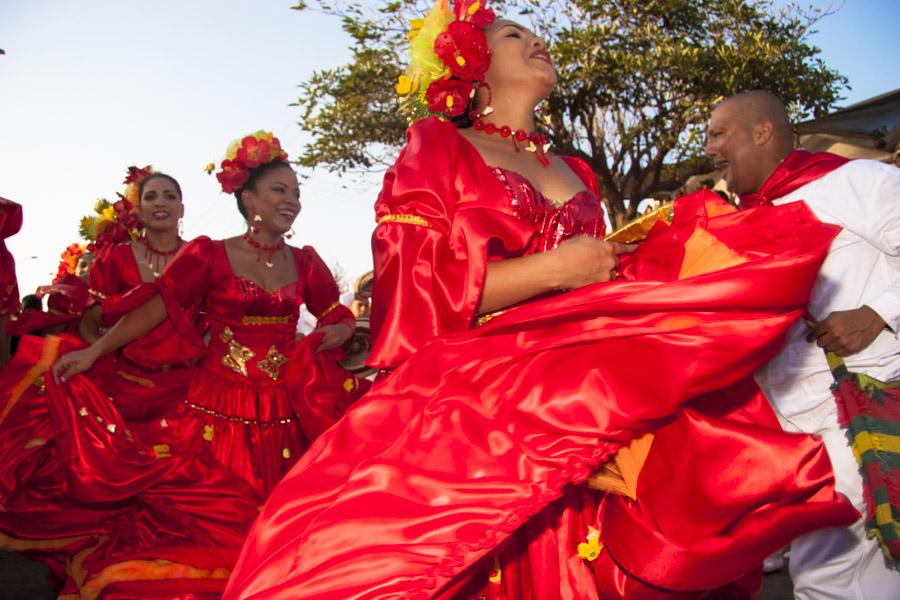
<point x="97" y="294"/>
<point x="265" y="320"/>
<point x="272" y="363"/>
<point x="328" y="310"/>
<point x="238" y="355"/>
<point x="407" y="219"/>
<point x="483" y="319"/>
<point x="241" y="420"/>
<point x="135" y="379"/>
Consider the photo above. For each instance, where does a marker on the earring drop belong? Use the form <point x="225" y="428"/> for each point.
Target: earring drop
<point x="290" y="233"/>
<point x="256" y="228"/>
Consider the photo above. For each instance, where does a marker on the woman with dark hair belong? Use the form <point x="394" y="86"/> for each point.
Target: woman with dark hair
<point x="255" y="401"/>
<point x="148" y="378"/>
<point x="92" y="481"/>
<point x="563" y="419"/>
<point x="120" y="267"/>
<point x="152" y="476"/>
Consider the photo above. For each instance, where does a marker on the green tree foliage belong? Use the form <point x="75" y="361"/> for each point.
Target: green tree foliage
<point x="637" y="81"/>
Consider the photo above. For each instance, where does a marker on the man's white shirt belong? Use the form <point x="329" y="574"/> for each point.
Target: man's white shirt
<point x="862" y="268"/>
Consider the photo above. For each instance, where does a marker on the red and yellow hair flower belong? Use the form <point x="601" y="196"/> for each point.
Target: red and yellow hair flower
<point x="115" y="222"/>
<point x="448" y="52"/>
<point x="68" y="260"/>
<point x="245" y="154"/>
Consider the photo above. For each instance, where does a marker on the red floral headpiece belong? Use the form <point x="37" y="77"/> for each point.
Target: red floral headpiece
<point x="133" y="181"/>
<point x="244" y="154"/>
<point x="449" y="56"/>
<point x="115" y="222"/>
<point x="68" y="261"/>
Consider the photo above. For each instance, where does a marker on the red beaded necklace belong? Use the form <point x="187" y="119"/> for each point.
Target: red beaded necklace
<point x="157" y="259"/>
<point x="537" y="141"/>
<point x="269" y="250"/>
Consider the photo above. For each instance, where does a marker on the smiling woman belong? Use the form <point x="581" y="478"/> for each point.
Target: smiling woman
<point x="224" y="312"/>
<point x="250" y="287"/>
<point x="500" y="457"/>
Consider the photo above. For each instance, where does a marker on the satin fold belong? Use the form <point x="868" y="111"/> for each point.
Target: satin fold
<point x="491" y="432"/>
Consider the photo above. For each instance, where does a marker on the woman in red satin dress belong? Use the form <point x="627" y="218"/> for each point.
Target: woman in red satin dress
<point x="465" y="472"/>
<point x="146" y="378"/>
<point x="257" y="399"/>
<point x="87" y="483"/>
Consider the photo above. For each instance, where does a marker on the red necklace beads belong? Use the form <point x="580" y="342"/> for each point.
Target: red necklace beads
<point x="536" y="141"/>
<point x="157" y="259"/>
<point x="260" y="248"/>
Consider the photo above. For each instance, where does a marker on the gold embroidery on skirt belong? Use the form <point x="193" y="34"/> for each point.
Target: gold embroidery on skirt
<point x="271" y="364"/>
<point x="238" y="355"/>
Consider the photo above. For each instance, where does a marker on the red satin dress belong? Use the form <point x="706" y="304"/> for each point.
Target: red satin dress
<point x="10" y="224"/>
<point x="148" y="378"/>
<point x="124" y="495"/>
<point x="463" y="472"/>
<point x="257" y="399"/>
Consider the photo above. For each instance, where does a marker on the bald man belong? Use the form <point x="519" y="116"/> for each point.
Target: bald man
<point x="854" y="311"/>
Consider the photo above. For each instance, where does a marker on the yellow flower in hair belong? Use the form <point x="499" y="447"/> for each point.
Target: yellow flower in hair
<point x="108" y="213"/>
<point x="424" y="65"/>
<point x="210" y="168"/>
<point x="415" y="28"/>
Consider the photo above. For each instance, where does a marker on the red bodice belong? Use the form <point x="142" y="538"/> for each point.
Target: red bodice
<point x="443" y="214"/>
<point x="581" y="215"/>
<point x="251" y="329"/>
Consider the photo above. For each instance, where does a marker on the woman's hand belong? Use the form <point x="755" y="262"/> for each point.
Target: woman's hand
<point x="334" y="336"/>
<point x="584" y="260"/>
<point x="73" y="363"/>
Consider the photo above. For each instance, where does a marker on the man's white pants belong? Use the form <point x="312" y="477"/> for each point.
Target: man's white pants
<point x="838" y="563"/>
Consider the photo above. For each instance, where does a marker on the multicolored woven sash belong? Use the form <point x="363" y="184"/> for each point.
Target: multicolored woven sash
<point x="870" y="410"/>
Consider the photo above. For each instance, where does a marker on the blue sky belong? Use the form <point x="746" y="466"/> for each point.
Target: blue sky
<point x="88" y="88"/>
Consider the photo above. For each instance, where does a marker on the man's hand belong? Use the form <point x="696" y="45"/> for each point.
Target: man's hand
<point x="846" y="332"/>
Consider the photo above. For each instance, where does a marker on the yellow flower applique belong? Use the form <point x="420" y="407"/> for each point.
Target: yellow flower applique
<point x="208" y="433"/>
<point x="590" y="549"/>
<point x="162" y="451"/>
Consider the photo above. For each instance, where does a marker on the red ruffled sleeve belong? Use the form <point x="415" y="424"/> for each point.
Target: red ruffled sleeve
<point x="441" y="216"/>
<point x="105" y="282"/>
<point x="184" y="284"/>
<point x="320" y="292"/>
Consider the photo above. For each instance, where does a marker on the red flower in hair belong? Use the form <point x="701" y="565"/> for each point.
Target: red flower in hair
<point x="253" y="152"/>
<point x="136" y="175"/>
<point x="483" y="17"/>
<point x="449" y="96"/>
<point x="463" y="48"/>
<point x="474" y="11"/>
<point x="233" y="176"/>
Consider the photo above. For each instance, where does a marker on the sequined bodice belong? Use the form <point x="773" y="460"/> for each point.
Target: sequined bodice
<point x="580" y="215"/>
<point x="251" y="328"/>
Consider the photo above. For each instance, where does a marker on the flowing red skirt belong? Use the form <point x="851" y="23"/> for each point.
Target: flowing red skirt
<point x="492" y="433"/>
<point x="111" y="480"/>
